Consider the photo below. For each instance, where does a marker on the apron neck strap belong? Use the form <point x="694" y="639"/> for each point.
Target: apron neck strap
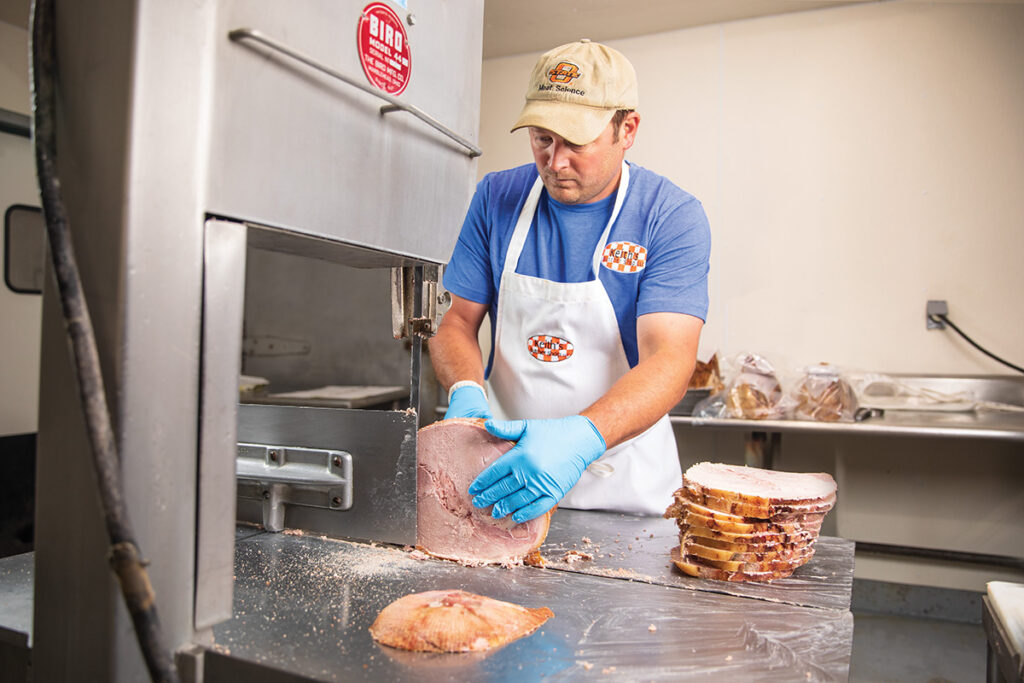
<point x="620" y="197"/>
<point x="525" y="220"/>
<point x="515" y="247"/>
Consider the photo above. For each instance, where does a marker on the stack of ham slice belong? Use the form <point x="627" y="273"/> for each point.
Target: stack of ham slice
<point x="748" y="524"/>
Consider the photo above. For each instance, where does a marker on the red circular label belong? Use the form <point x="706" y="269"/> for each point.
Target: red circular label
<point x="384" y="48"/>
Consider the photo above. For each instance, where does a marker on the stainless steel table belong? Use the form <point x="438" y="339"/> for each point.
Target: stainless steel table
<point x="636" y="549"/>
<point x="17" y="580"/>
<point x="303" y="605"/>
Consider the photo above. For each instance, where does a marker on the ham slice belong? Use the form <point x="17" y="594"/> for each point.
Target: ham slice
<point x="449" y="456"/>
<point x="751" y="539"/>
<point x="454" y="621"/>
<point x="751" y="547"/>
<point x="757" y="486"/>
<point x="762" y="526"/>
<point x="759" y="566"/>
<point x="692" y="546"/>
<point x="743" y="508"/>
<point x="747" y="524"/>
<point x="780" y="518"/>
<point x="705" y="572"/>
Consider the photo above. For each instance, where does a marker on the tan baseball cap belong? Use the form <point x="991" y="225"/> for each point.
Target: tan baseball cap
<point x="576" y="88"/>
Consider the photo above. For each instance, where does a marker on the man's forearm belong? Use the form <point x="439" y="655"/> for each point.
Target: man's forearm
<point x="455" y="358"/>
<point x="640" y="397"/>
<point x="455" y="349"/>
<point x="667" y="345"/>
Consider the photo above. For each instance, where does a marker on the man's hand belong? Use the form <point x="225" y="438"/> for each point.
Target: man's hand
<point x="547" y="461"/>
<point x="468" y="400"/>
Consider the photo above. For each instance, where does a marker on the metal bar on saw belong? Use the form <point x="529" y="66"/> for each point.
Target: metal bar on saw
<point x="417" y="340"/>
<point x="223" y="278"/>
<point x="394" y="104"/>
<point x="296" y="466"/>
<point x="300" y="476"/>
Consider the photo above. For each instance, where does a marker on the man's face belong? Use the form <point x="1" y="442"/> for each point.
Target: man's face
<point x="581" y="174"/>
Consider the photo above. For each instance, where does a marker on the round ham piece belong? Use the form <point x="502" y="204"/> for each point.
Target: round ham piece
<point x="734" y="506"/>
<point x="454" y="621"/>
<point x="690" y="507"/>
<point x="687" y="536"/>
<point x="692" y="546"/>
<point x="760" y="487"/>
<point x="695" y="519"/>
<point x="449" y="456"/>
<point x="687" y="566"/>
<point x="755" y="538"/>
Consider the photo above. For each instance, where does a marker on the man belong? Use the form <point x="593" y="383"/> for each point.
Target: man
<point x="594" y="273"/>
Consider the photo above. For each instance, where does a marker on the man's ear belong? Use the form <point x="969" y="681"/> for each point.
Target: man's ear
<point x="630" y="125"/>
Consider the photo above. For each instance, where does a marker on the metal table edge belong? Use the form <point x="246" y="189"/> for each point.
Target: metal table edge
<point x="855" y="429"/>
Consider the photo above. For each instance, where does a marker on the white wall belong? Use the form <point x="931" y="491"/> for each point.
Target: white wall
<point x="14" y="89"/>
<point x="20" y="314"/>
<point x="854" y="163"/>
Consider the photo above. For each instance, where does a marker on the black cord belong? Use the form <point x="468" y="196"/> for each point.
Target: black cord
<point x="941" y="317"/>
<point x="125" y="558"/>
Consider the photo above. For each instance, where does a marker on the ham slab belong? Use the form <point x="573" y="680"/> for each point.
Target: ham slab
<point x="760" y="487"/>
<point x="706" y="572"/>
<point x="449" y="456"/>
<point x="454" y="621"/>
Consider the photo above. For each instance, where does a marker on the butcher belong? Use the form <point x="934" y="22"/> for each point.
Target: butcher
<point x="593" y="273"/>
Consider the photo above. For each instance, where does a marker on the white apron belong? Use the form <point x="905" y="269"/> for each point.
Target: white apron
<point x="557" y="350"/>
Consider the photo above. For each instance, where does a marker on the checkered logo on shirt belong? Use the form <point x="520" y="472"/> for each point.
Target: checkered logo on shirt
<point x="549" y="349"/>
<point x="624" y="257"/>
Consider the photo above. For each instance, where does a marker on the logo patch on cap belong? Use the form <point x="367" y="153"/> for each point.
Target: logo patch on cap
<point x="549" y="349"/>
<point x="624" y="257"/>
<point x="565" y="72"/>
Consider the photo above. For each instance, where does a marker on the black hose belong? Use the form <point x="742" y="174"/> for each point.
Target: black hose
<point x="941" y="317"/>
<point x="125" y="558"/>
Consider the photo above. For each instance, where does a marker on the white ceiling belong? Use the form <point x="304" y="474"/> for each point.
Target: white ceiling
<point x="518" y="26"/>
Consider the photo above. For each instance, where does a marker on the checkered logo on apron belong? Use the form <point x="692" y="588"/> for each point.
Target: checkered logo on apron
<point x="549" y="349"/>
<point x="624" y="257"/>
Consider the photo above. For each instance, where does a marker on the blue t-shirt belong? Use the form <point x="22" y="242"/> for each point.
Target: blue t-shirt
<point x="668" y="224"/>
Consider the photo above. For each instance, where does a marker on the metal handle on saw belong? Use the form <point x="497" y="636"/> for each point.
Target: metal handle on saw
<point x="394" y="104"/>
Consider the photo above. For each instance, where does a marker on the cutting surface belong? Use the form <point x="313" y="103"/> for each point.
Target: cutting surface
<point x="637" y="549"/>
<point x="303" y="604"/>
<point x="17" y="582"/>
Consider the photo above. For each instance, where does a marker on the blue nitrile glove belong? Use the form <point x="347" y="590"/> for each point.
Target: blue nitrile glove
<point x="547" y="461"/>
<point x="467" y="399"/>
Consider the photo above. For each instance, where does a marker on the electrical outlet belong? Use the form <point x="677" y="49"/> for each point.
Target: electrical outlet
<point x="935" y="308"/>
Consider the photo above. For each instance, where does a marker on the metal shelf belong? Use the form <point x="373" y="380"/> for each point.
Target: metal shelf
<point x="985" y="425"/>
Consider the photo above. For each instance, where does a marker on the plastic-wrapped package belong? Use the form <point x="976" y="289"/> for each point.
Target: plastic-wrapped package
<point x="823" y="394"/>
<point x="705" y="381"/>
<point x="707" y="376"/>
<point x="755" y="393"/>
<point x="712" y="407"/>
